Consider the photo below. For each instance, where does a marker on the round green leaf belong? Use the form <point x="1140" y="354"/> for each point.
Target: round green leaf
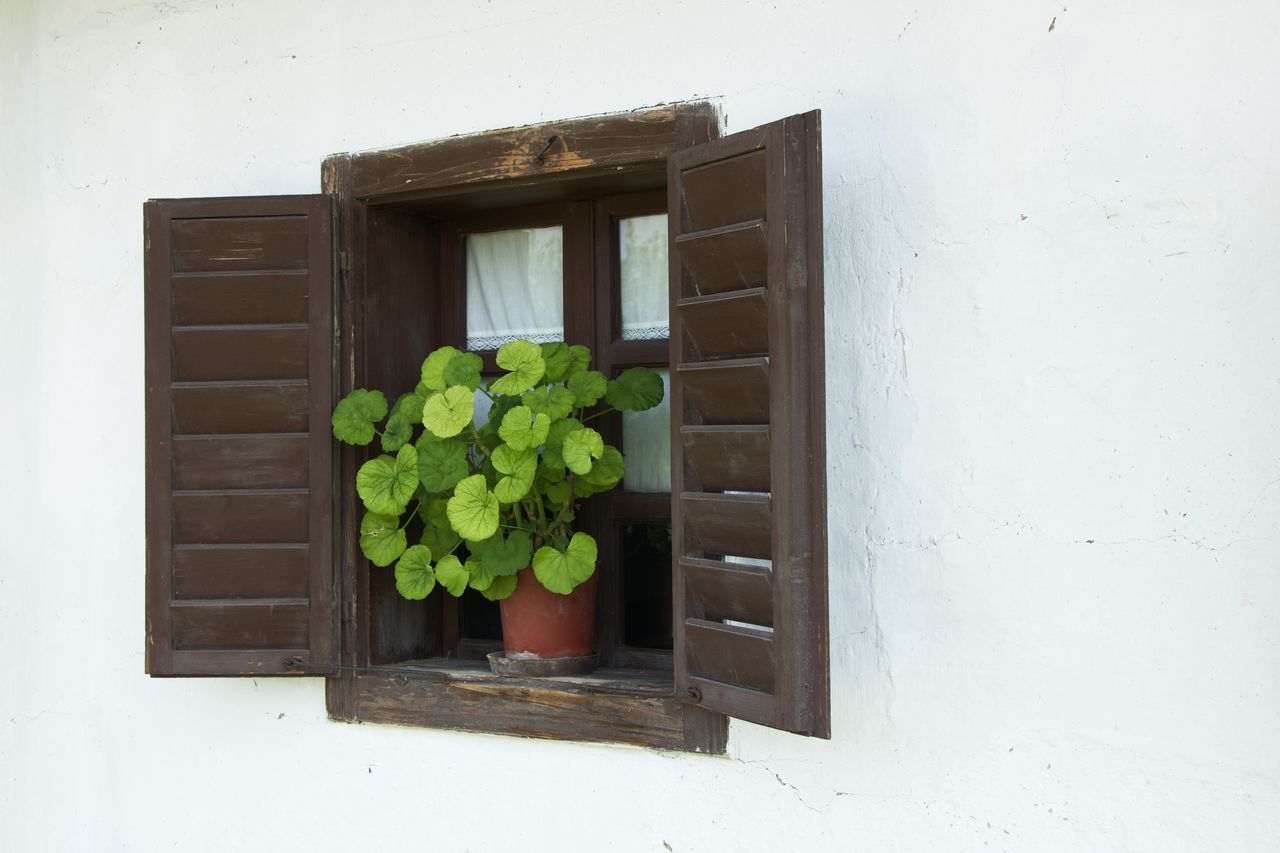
<point x="519" y="466"/>
<point x="355" y="415"/>
<point x="556" y="355"/>
<point x="579" y="358"/>
<point x="414" y="577"/>
<point x="441" y="464"/>
<point x="554" y="401"/>
<point x="437" y="534"/>
<point x="503" y="557"/>
<point x="399" y="429"/>
<point x="581" y="448"/>
<point x="478" y="577"/>
<point x="464" y="369"/>
<point x="386" y="484"/>
<point x="522" y="429"/>
<point x="524" y="361"/>
<point x="561" y="571"/>
<point x="433" y="368"/>
<point x="473" y="510"/>
<point x="558" y="493"/>
<point x="451" y="575"/>
<point x="447" y="412"/>
<point x="381" y="539"/>
<point x="635" y="390"/>
<point x="607" y="470"/>
<point x="501" y="588"/>
<point x="587" y="387"/>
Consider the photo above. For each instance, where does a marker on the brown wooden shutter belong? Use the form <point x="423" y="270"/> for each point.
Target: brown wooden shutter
<point x="748" y="450"/>
<point x="239" y="347"/>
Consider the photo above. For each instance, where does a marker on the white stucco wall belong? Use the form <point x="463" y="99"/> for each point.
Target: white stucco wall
<point x="1052" y="268"/>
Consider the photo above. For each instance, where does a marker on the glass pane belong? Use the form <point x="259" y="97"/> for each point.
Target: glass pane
<point x="642" y="257"/>
<point x="646" y="577"/>
<point x="646" y="444"/>
<point x="515" y="287"/>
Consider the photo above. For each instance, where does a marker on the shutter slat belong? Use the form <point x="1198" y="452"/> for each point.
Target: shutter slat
<point x="241" y="407"/>
<point x="240" y="461"/>
<point x="728" y="324"/>
<point x="239" y="305"/>
<point x="739" y="525"/>
<point x="731" y="257"/>
<point x="728" y="458"/>
<point x="719" y="589"/>
<point x="241" y="571"/>
<point x="728" y="392"/>
<point x="218" y="354"/>
<point x="730" y="654"/>
<point x="748" y="435"/>
<point x="212" y="298"/>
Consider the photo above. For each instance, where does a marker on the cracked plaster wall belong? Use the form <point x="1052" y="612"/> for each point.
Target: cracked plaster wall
<point x="1052" y="269"/>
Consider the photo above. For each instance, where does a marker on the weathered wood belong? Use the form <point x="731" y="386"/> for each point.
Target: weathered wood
<point x="731" y="257"/>
<point x="736" y="525"/>
<point x="731" y="654"/>
<point x="240" y="352"/>
<point x="233" y="470"/>
<point x="241" y="571"/>
<point x="541" y="667"/>
<point x="536" y="151"/>
<point x="240" y="407"/>
<point x="734" y="391"/>
<point x="257" y="243"/>
<point x="223" y="298"/>
<point x="720" y="589"/>
<point x="728" y="458"/>
<point x="727" y="325"/>
<point x="240" y="461"/>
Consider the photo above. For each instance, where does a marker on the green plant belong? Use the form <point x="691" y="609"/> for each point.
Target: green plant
<point x="506" y="490"/>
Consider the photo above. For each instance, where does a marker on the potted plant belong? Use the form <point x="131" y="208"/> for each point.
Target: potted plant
<point x="492" y="498"/>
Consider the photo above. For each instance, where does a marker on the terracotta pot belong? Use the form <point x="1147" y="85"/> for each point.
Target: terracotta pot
<point x="538" y="623"/>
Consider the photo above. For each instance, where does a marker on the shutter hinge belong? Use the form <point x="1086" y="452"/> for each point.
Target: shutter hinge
<point x="344" y="260"/>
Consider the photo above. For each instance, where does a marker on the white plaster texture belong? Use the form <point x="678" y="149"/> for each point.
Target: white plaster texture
<point x="1054" y="395"/>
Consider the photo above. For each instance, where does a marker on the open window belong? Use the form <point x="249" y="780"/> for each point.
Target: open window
<point x="671" y="249"/>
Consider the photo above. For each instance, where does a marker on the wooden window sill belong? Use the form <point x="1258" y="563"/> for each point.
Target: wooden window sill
<point x="635" y="706"/>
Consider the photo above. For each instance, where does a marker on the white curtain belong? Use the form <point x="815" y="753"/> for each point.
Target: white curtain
<point x="515" y="287"/>
<point x="642" y="256"/>
<point x="646" y="444"/>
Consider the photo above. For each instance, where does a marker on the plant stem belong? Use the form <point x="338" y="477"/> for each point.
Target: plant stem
<point x="598" y="414"/>
<point x="411" y="515"/>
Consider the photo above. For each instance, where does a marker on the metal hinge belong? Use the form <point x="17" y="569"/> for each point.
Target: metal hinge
<point x="344" y="260"/>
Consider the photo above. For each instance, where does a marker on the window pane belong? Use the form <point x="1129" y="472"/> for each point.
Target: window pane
<point x="515" y="287"/>
<point x="642" y="256"/>
<point x="646" y="444"/>
<point x="646" y="577"/>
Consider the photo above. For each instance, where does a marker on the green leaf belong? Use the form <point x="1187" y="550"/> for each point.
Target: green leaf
<point x="414" y="576"/>
<point x="385" y="484"/>
<point x="473" y="510"/>
<point x="558" y="493"/>
<point x="519" y="466"/>
<point x="522" y="429"/>
<point x="607" y="470"/>
<point x="560" y="430"/>
<point x="502" y="557"/>
<point x="478" y="576"/>
<point x="464" y="369"/>
<point x="587" y="387"/>
<point x="501" y="588"/>
<point x="399" y="429"/>
<point x="581" y="448"/>
<point x="524" y="361"/>
<point x="561" y="571"/>
<point x="441" y="464"/>
<point x="381" y="539"/>
<point x="433" y="368"/>
<point x="579" y="358"/>
<point x="447" y="412"/>
<point x="355" y="415"/>
<point x="437" y="534"/>
<point x="554" y="401"/>
<point x="635" y="390"/>
<point x="451" y="575"/>
<point x="558" y="360"/>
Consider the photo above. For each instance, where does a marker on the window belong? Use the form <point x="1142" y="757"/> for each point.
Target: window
<point x="252" y="562"/>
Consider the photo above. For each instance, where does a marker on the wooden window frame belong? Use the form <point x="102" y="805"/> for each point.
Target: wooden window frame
<point x="554" y="164"/>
